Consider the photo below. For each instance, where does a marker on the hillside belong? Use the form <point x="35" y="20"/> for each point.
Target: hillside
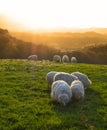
<point x="12" y="47"/>
<point x="63" y="40"/>
<point x="25" y="102"/>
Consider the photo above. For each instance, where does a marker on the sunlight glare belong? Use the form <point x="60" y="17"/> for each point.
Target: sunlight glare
<point x="56" y="13"/>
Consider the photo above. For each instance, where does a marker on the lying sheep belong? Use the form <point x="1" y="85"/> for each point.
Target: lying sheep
<point x="65" y="58"/>
<point x="49" y="77"/>
<point x="57" y="58"/>
<point x="83" y="78"/>
<point x="77" y="90"/>
<point x="33" y="57"/>
<point x="73" y="59"/>
<point x="61" y="92"/>
<point x="65" y="77"/>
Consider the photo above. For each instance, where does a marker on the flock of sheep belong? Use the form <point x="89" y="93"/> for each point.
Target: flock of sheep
<point x="66" y="87"/>
<point x="65" y="58"/>
<point x="56" y="58"/>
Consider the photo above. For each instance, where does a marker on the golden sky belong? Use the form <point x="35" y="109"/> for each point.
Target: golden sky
<point x="49" y="14"/>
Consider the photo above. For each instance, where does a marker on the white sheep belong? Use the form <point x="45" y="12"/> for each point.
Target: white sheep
<point x="83" y="78"/>
<point x="49" y="77"/>
<point x="77" y="90"/>
<point x="65" y="58"/>
<point x="33" y="57"/>
<point x="65" y="77"/>
<point x="73" y="59"/>
<point x="61" y="92"/>
<point x="57" y="58"/>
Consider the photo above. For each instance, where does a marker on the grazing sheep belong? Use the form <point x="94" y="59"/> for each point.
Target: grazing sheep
<point x="61" y="92"/>
<point x="77" y="90"/>
<point x="65" y="77"/>
<point x="33" y="57"/>
<point x="73" y="59"/>
<point x="49" y="77"/>
<point x="57" y="58"/>
<point x="65" y="58"/>
<point x="83" y="78"/>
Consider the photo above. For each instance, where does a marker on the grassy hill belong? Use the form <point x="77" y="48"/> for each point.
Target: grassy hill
<point x="25" y="102"/>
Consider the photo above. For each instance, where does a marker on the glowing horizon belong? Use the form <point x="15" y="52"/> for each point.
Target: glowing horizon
<point x="50" y="14"/>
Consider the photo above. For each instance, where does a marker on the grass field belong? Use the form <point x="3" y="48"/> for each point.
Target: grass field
<point x="25" y="102"/>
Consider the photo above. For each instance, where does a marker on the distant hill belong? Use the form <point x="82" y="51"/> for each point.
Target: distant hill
<point x="12" y="47"/>
<point x="98" y="30"/>
<point x="63" y="40"/>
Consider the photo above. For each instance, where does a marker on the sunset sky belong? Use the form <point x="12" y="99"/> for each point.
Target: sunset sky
<point x="49" y="14"/>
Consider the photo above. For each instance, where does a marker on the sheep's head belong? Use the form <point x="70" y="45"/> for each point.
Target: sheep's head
<point x="63" y="99"/>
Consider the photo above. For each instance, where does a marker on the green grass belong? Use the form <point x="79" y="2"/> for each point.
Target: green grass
<point x="25" y="102"/>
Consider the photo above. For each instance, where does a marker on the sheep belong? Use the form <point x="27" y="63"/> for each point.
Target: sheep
<point x="77" y="90"/>
<point x="49" y="77"/>
<point x="61" y="92"/>
<point x="65" y="77"/>
<point x="57" y="58"/>
<point x="83" y="78"/>
<point x="73" y="59"/>
<point x="65" y="58"/>
<point x="33" y="57"/>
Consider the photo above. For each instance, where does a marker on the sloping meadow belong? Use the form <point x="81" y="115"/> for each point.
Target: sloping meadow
<point x="25" y="102"/>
